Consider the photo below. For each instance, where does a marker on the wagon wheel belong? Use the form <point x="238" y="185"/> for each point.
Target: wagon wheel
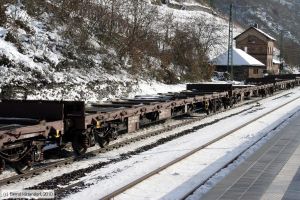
<point x="231" y="102"/>
<point x="24" y="165"/>
<point x="207" y="111"/>
<point x="103" y="141"/>
<point x="80" y="144"/>
<point x="114" y="134"/>
<point x="2" y="165"/>
<point x="103" y="138"/>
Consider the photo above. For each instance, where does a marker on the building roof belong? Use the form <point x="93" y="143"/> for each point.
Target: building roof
<point x="275" y="61"/>
<point x="257" y="29"/>
<point x="240" y="58"/>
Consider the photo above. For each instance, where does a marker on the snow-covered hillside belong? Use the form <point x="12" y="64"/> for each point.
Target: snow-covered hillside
<point x="34" y="54"/>
<point x="185" y="16"/>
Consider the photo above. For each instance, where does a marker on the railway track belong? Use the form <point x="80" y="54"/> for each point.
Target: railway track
<point x="193" y="190"/>
<point x="192" y="152"/>
<point x="70" y="160"/>
<point x="29" y="126"/>
<point x="67" y="161"/>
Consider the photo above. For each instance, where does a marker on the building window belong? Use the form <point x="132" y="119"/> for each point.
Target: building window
<point x="255" y="71"/>
<point x="251" y="39"/>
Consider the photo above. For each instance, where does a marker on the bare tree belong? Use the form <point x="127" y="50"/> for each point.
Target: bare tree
<point x="191" y="45"/>
<point x="2" y="14"/>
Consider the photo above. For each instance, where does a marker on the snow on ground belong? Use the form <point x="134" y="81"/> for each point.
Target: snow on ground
<point x="190" y="4"/>
<point x="221" y="23"/>
<point x="153" y="88"/>
<point x="179" y="179"/>
<point x="94" y="84"/>
<point x="184" y="16"/>
<point x="82" y="92"/>
<point x="11" y="52"/>
<point x="28" y="64"/>
<point x="79" y="80"/>
<point x="116" y="153"/>
<point x="224" y="172"/>
<point x="3" y="32"/>
<point x="128" y="170"/>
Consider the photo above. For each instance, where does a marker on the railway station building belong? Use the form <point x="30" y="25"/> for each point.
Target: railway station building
<point x="260" y="45"/>
<point x="244" y="65"/>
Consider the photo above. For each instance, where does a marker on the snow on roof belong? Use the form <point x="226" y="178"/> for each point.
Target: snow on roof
<point x="240" y="58"/>
<point x="275" y="61"/>
<point x="259" y="30"/>
<point x="264" y="33"/>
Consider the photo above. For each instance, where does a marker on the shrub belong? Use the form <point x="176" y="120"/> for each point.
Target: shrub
<point x="5" y="61"/>
<point x="11" y="38"/>
<point x="23" y="26"/>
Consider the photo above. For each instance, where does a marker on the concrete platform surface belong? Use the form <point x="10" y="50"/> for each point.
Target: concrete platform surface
<point x="271" y="173"/>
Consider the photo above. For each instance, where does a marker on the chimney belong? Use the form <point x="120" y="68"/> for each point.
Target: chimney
<point x="246" y="49"/>
<point x="255" y="25"/>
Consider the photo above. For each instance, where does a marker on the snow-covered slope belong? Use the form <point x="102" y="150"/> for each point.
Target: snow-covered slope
<point x="36" y="60"/>
<point x="185" y="16"/>
<point x="34" y="54"/>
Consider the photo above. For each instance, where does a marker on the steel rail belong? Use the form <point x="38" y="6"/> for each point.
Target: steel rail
<point x="158" y="170"/>
<point x="72" y="159"/>
<point x="233" y="159"/>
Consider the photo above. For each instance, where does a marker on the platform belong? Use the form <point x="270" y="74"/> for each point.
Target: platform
<point x="272" y="172"/>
